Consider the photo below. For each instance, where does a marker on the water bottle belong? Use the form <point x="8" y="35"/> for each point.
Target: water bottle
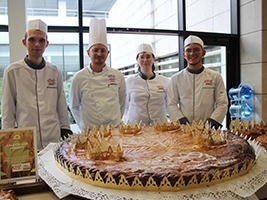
<point x="243" y="92"/>
<point x="243" y="110"/>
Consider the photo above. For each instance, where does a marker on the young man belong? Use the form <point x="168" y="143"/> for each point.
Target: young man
<point x="98" y="92"/>
<point x="197" y="93"/>
<point x="32" y="94"/>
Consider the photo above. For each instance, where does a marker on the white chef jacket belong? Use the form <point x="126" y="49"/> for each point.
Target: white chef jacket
<point x="34" y="98"/>
<point x="197" y="96"/>
<point x="97" y="98"/>
<point x="146" y="99"/>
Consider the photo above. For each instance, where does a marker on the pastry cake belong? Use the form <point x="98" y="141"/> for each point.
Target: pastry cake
<point x="262" y="140"/>
<point x="165" y="156"/>
<point x="7" y="195"/>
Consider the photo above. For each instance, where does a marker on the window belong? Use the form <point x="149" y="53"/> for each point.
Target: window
<point x="130" y="23"/>
<point x="208" y="15"/>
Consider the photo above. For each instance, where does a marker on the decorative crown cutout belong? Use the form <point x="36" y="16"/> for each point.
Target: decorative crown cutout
<point x="204" y="134"/>
<point x="98" y="144"/>
<point x="246" y="127"/>
<point x="151" y="184"/>
<point x="167" y="126"/>
<point x="130" y="129"/>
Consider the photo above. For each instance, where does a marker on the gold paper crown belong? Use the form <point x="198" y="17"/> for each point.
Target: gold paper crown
<point x="130" y="129"/>
<point x="245" y="127"/>
<point x="203" y="133"/>
<point x="98" y="144"/>
<point x="167" y="126"/>
<point x="104" y="131"/>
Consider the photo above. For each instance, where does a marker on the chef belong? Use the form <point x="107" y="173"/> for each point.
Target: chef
<point x="32" y="94"/>
<point x="196" y="92"/>
<point x="146" y="98"/>
<point x="97" y="95"/>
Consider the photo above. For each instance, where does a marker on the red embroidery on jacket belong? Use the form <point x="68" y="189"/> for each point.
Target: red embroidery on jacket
<point x="208" y="82"/>
<point x="51" y="81"/>
<point x="112" y="78"/>
<point x="160" y="87"/>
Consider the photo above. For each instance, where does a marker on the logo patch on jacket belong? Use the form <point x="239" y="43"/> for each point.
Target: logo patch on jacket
<point x="112" y="78"/>
<point x="208" y="82"/>
<point x="51" y="82"/>
<point x="160" y="87"/>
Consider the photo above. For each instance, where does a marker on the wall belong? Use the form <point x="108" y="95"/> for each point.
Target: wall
<point x="253" y="44"/>
<point x="16" y="27"/>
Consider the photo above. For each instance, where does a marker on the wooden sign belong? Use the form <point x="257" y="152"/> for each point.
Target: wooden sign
<point x="18" y="155"/>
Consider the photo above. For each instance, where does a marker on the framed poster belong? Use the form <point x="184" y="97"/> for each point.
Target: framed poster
<point x="18" y="155"/>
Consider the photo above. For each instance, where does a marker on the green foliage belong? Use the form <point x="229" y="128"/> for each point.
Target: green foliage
<point x="67" y="85"/>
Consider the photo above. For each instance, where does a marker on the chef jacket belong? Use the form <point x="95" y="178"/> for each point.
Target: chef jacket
<point x="146" y="99"/>
<point x="97" y="98"/>
<point x="197" y="96"/>
<point x="35" y="98"/>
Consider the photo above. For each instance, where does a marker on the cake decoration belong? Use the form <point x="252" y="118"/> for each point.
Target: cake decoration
<point x="167" y="126"/>
<point x="97" y="144"/>
<point x="130" y="129"/>
<point x="255" y="131"/>
<point x="203" y="133"/>
<point x="248" y="128"/>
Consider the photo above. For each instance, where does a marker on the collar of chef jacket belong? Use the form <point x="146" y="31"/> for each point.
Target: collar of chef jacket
<point x="144" y="76"/>
<point x="92" y="72"/>
<point x="195" y="71"/>
<point x="33" y="65"/>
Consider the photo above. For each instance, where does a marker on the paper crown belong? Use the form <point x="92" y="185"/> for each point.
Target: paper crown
<point x="37" y="24"/>
<point x="193" y="39"/>
<point x="144" y="48"/>
<point x="130" y="129"/>
<point x="97" y="32"/>
<point x="98" y="143"/>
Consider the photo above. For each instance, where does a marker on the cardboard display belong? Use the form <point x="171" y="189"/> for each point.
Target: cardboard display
<point x="18" y="155"/>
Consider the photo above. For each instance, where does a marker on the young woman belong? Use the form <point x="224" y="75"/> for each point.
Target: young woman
<point x="146" y="98"/>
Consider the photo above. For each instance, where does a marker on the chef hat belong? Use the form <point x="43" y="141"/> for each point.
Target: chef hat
<point x="37" y="24"/>
<point x="97" y="32"/>
<point x="144" y="48"/>
<point x="193" y="39"/>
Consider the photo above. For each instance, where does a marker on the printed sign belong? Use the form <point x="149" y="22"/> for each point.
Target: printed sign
<point x="18" y="155"/>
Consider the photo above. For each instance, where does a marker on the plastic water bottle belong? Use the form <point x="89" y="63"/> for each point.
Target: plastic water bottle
<point x="243" y="110"/>
<point x="243" y="92"/>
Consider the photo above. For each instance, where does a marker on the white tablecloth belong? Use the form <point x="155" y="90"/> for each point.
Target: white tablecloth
<point x="240" y="188"/>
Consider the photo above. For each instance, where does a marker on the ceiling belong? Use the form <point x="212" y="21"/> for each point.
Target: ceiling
<point x="88" y="5"/>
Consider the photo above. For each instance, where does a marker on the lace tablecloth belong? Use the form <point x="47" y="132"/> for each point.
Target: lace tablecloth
<point x="243" y="187"/>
